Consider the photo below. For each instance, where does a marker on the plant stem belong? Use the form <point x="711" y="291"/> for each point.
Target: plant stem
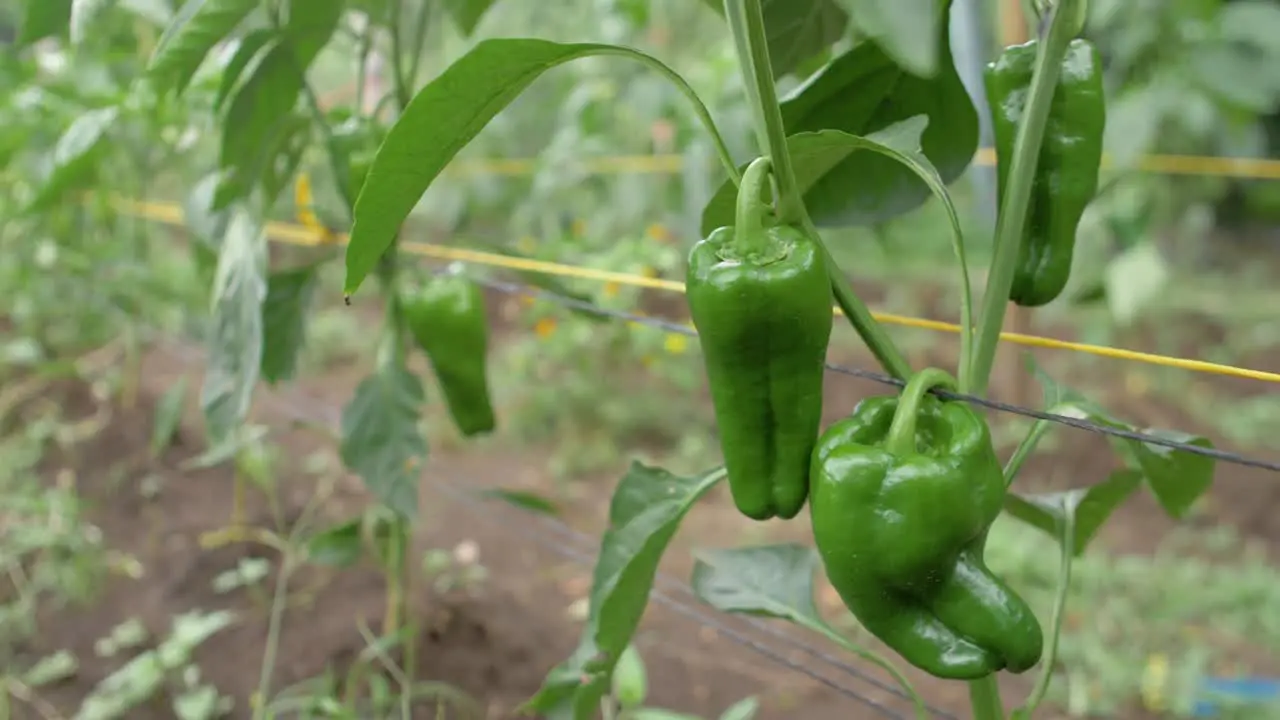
<point x="901" y="439"/>
<point x="746" y="22"/>
<point x="749" y="237"/>
<point x="1062" y="27"/>
<point x="984" y="699"/>
<point x="1067" y="531"/>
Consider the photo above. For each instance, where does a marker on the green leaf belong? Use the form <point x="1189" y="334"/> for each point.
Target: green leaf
<point x="630" y="683"/>
<point x="84" y="13"/>
<point x="818" y="156"/>
<point x="647" y="508"/>
<point x="381" y="440"/>
<point x="523" y="499"/>
<point x="206" y="224"/>
<point x="797" y="30"/>
<point x="466" y="14"/>
<point x="284" y="320"/>
<point x="906" y="30"/>
<point x="249" y="48"/>
<point x="1092" y="507"/>
<point x="255" y="120"/>
<point x="440" y="120"/>
<point x="744" y="709"/>
<point x="235" y="341"/>
<point x="340" y="545"/>
<point x="198" y="27"/>
<point x="285" y="155"/>
<point x="862" y="92"/>
<point x="259" y="121"/>
<point x="168" y="416"/>
<point x="768" y="580"/>
<point x="74" y="157"/>
<point x="42" y="19"/>
<point x="1178" y="478"/>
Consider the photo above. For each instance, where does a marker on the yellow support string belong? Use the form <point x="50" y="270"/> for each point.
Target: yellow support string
<point x="293" y="234"/>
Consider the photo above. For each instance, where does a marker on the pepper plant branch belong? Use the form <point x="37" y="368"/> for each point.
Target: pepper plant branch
<point x="699" y="108"/>
<point x="1063" y="25"/>
<point x="1067" y="544"/>
<point x="746" y="23"/>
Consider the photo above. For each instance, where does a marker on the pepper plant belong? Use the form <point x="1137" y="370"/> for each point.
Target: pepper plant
<point x="901" y="493"/>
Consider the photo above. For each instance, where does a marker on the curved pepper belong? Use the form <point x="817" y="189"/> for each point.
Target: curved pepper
<point x="447" y="319"/>
<point x="760" y="298"/>
<point x="902" y="493"/>
<point x="1066" y="176"/>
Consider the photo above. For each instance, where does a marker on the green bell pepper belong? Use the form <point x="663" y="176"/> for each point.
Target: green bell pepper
<point x="760" y="298"/>
<point x="447" y="318"/>
<point x="1066" y="176"/>
<point x="902" y="493"/>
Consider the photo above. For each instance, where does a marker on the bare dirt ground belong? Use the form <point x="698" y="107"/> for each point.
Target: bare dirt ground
<point x="498" y="642"/>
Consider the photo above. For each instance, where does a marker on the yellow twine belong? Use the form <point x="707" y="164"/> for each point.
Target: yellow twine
<point x="292" y="234"/>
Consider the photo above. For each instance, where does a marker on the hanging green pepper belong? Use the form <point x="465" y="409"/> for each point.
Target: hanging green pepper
<point x="903" y="491"/>
<point x="447" y="319"/>
<point x="760" y="297"/>
<point x="1066" y="176"/>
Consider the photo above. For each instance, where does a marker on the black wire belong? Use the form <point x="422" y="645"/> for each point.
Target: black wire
<point x="1078" y="423"/>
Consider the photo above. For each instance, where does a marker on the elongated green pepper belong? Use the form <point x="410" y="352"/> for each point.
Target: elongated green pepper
<point x="760" y="298"/>
<point x="1066" y="176"/>
<point x="447" y="319"/>
<point x="903" y="491"/>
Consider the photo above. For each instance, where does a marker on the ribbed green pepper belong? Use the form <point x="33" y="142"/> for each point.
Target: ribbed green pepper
<point x="760" y="298"/>
<point x="902" y="493"/>
<point x="1066" y="176"/>
<point x="447" y="319"/>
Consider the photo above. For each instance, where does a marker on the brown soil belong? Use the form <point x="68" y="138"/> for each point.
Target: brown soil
<point x="498" y="641"/>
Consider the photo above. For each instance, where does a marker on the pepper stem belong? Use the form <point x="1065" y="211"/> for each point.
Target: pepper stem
<point x="749" y="238"/>
<point x="902" y="433"/>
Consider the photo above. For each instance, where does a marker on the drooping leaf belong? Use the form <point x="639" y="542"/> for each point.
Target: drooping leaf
<point x="797" y="30"/>
<point x="259" y="115"/>
<point x="74" y="157"/>
<point x="1092" y="507"/>
<point x="647" y="508"/>
<point x="1176" y="477"/>
<point x="235" y="340"/>
<point x="862" y="92"/>
<point x="249" y="48"/>
<point x="818" y="156"/>
<point x="198" y="27"/>
<point x="906" y="30"/>
<point x="440" y="120"/>
<point x="285" y="155"/>
<point x="284" y="320"/>
<point x="381" y="440"/>
<point x="768" y="581"/>
<point x="83" y="14"/>
<point x="467" y="14"/>
<point x="42" y="19"/>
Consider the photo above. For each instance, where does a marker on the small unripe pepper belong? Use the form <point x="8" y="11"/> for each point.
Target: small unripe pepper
<point x="760" y="298"/>
<point x="1066" y="176"/>
<point x="902" y="493"/>
<point x="447" y="319"/>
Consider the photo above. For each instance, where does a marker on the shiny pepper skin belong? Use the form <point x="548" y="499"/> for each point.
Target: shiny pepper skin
<point x="902" y="493"/>
<point x="1066" y="176"/>
<point x="760" y="297"/>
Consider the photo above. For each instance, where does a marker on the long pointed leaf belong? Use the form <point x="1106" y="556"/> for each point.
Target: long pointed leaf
<point x="199" y="26"/>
